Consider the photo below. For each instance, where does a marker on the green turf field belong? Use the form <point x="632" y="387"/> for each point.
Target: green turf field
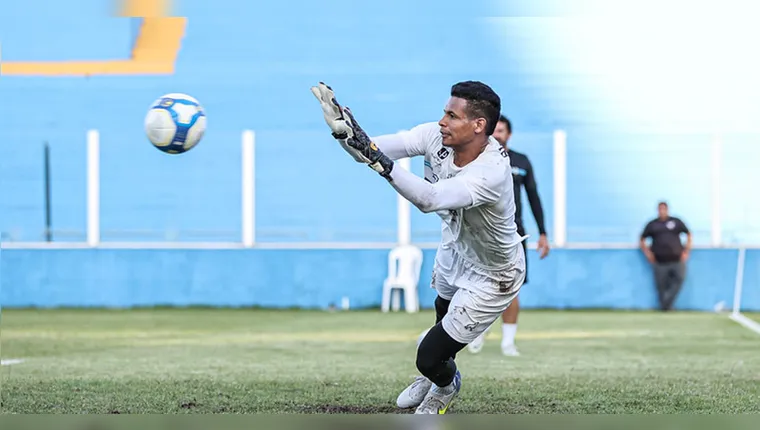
<point x="253" y="361"/>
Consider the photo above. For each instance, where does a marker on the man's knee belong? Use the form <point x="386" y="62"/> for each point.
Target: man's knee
<point x="428" y="356"/>
<point x="661" y="275"/>
<point x="435" y="356"/>
<point x="681" y="271"/>
<point x="436" y="348"/>
<point x="426" y="362"/>
<point x="675" y="275"/>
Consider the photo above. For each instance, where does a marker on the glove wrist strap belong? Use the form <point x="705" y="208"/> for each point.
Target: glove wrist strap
<point x="384" y="167"/>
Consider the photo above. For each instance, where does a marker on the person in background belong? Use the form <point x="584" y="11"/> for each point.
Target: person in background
<point x="522" y="176"/>
<point x="667" y="254"/>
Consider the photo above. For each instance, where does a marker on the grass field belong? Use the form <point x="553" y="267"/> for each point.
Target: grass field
<point x="254" y="361"/>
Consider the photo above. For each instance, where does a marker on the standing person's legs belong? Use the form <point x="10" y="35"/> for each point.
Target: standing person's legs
<point x="662" y="280"/>
<point x="676" y="276"/>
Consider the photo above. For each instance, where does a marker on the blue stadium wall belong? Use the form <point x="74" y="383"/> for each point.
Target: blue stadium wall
<point x="251" y="65"/>
<point x="612" y="279"/>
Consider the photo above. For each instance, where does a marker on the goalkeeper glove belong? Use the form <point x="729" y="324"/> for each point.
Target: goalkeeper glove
<point x="361" y="142"/>
<point x="349" y="134"/>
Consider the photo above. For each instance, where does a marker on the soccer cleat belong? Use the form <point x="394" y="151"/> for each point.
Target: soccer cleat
<point x="438" y="402"/>
<point x="509" y="349"/>
<point x="414" y="394"/>
<point x="476" y="345"/>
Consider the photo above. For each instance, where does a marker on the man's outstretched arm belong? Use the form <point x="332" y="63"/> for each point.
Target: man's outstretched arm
<point x="445" y="194"/>
<point x="396" y="146"/>
<point x="407" y="143"/>
<point x="466" y="190"/>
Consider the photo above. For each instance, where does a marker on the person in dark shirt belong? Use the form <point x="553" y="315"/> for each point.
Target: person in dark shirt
<point x="667" y="254"/>
<point x="522" y="176"/>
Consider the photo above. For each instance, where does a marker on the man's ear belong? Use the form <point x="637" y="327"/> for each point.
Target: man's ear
<point x="480" y="125"/>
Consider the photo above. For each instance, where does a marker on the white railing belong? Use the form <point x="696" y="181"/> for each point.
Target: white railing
<point x="560" y="188"/>
<point x="249" y="189"/>
<point x="248" y="215"/>
<point x="248" y="238"/>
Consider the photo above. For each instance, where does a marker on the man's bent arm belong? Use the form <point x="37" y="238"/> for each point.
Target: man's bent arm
<point x="531" y="188"/>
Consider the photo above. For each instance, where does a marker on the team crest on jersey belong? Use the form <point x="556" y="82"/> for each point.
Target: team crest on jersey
<point x="443" y="153"/>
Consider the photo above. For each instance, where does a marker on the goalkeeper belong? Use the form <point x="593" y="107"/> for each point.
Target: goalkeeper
<point x="480" y="263"/>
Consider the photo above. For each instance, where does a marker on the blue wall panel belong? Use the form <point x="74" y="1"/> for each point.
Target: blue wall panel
<point x="617" y="279"/>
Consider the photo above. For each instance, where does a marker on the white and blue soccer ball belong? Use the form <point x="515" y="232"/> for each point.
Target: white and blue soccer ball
<point x="175" y="123"/>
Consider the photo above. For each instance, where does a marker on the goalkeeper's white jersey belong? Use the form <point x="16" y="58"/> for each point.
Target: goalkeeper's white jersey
<point x="484" y="234"/>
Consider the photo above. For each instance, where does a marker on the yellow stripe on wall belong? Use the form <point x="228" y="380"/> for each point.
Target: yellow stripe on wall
<point x="154" y="53"/>
<point x="145" y="8"/>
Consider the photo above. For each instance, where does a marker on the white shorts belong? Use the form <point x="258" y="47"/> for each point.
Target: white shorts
<point x="477" y="297"/>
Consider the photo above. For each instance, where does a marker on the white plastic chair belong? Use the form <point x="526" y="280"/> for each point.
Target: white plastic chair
<point x="404" y="267"/>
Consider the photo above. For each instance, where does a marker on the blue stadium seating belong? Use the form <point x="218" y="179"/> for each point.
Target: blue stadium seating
<point x="251" y="66"/>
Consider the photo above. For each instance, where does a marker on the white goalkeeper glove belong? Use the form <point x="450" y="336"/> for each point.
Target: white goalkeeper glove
<point x="349" y="134"/>
<point x="335" y="119"/>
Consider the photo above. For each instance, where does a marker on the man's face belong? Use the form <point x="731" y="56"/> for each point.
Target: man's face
<point x="456" y="128"/>
<point x="501" y="133"/>
<point x="662" y="211"/>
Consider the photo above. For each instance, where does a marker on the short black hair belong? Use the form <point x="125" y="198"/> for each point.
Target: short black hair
<point x="506" y="121"/>
<point x="482" y="101"/>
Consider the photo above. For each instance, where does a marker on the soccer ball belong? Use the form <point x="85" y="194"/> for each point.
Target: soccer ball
<point x="175" y="123"/>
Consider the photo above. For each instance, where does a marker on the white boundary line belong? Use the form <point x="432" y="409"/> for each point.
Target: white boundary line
<point x="736" y="314"/>
<point x="11" y="361"/>
<point x="745" y="322"/>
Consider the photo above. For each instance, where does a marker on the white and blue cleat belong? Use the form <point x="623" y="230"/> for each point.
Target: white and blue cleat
<point x="439" y="399"/>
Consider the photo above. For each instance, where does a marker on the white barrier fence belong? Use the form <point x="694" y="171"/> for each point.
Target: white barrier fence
<point x="248" y="178"/>
<point x="248" y="197"/>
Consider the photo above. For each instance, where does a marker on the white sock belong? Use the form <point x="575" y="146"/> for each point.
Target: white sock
<point x="508" y="332"/>
<point x="448" y="389"/>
